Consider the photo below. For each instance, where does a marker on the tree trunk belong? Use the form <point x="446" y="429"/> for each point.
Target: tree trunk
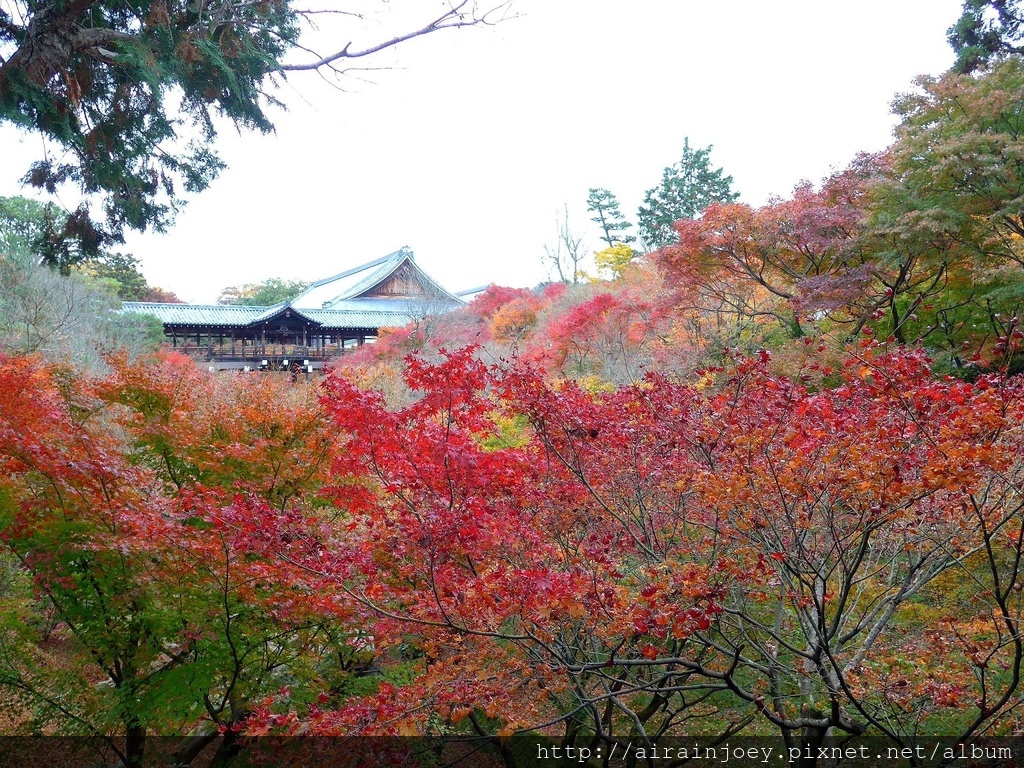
<point x="50" y="44"/>
<point x="135" y="745"/>
<point x="192" y="747"/>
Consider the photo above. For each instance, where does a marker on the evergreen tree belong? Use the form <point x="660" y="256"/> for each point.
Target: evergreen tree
<point x="123" y="270"/>
<point x="126" y="93"/>
<point x="605" y="207"/>
<point x="687" y="188"/>
<point x="985" y="30"/>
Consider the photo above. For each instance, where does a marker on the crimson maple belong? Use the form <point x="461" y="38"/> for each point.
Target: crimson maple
<point x="664" y="556"/>
<point x="149" y="510"/>
<point x="504" y="551"/>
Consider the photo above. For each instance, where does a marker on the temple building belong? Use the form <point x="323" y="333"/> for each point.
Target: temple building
<point x="333" y="315"/>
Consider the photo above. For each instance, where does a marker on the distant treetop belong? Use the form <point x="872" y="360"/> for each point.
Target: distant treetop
<point x="687" y="188"/>
<point x="265" y="294"/>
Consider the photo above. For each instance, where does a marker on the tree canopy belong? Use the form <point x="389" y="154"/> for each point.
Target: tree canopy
<point x="507" y="551"/>
<point x="127" y="93"/>
<point x="986" y="29"/>
<point x="31" y="231"/>
<point x="47" y="231"/>
<point x="270" y="291"/>
<point x="687" y="188"/>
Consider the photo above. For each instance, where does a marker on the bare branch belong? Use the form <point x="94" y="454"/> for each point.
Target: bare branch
<point x="332" y="11"/>
<point x="454" y="18"/>
<point x="566" y="255"/>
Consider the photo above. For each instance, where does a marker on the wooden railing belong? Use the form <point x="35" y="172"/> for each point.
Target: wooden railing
<point x="273" y="354"/>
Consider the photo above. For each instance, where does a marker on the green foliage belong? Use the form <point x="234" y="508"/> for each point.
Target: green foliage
<point x="986" y="30"/>
<point x="21" y="223"/>
<point x="946" y="222"/>
<point x="127" y="92"/>
<point x="605" y="207"/>
<point x="58" y="239"/>
<point x="510" y="432"/>
<point x="35" y="231"/>
<point x="123" y="269"/>
<point x="265" y="294"/>
<point x="687" y="188"/>
<point x="49" y="233"/>
<point x="959" y="149"/>
<point x="117" y="85"/>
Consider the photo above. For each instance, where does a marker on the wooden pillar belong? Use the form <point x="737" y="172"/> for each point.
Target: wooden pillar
<point x="232" y="342"/>
<point x="263" y="340"/>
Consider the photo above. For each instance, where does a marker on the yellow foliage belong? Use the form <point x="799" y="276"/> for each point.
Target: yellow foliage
<point x="614" y="260"/>
<point x="707" y="379"/>
<point x="594" y="384"/>
<point x="511" y="432"/>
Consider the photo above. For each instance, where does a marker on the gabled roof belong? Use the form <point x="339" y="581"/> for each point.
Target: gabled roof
<point x="351" y="284"/>
<point x="281" y="308"/>
<point x="344" y="301"/>
<point x="471" y="293"/>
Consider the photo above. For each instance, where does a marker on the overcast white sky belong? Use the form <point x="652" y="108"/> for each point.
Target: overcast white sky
<point x="467" y="147"/>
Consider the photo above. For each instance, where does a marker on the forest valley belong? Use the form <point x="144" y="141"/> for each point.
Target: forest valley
<point x="767" y="480"/>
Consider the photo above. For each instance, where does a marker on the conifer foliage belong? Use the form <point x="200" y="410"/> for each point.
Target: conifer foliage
<point x="129" y="91"/>
<point x="687" y="188"/>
